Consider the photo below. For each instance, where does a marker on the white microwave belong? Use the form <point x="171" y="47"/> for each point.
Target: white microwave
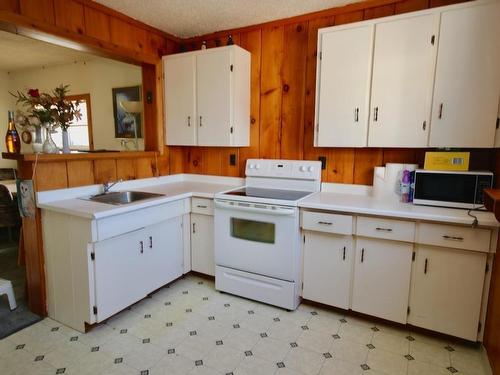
<point x="458" y="189"/>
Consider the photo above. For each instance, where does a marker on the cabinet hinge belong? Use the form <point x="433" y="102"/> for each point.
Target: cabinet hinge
<point x="413" y="257"/>
<point x="231" y="130"/>
<point x="92" y="256"/>
<point x="498" y="123"/>
<point x="231" y="67"/>
<point x="408" y="311"/>
<point x="94" y="310"/>
<point x="479" y="327"/>
<point x="433" y="39"/>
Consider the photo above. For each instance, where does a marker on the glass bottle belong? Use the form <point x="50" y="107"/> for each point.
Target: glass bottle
<point x="12" y="139"/>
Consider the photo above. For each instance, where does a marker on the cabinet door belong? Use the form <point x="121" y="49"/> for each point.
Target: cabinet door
<point x="447" y="289"/>
<point x="467" y="84"/>
<point x="343" y="86"/>
<point x="165" y="252"/>
<point x="328" y="263"/>
<point x="180" y="93"/>
<point x="382" y="278"/>
<point x="214" y="97"/>
<point x="403" y="76"/>
<point x="119" y="273"/>
<point x="202" y="244"/>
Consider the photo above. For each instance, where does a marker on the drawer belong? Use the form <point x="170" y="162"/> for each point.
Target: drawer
<point x="202" y="206"/>
<point x="397" y="230"/>
<point x="454" y="236"/>
<point x="325" y="222"/>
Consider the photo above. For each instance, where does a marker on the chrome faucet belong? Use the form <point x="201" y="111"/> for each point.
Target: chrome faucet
<point x="108" y="185"/>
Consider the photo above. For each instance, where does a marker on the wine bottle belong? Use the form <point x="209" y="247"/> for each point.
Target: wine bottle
<point x="12" y="140"/>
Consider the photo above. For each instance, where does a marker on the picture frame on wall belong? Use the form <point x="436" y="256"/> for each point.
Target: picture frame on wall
<point x="125" y="122"/>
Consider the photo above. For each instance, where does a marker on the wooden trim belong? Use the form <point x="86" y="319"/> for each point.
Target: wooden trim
<point x="361" y="5"/>
<point x="79" y="156"/>
<point x="86" y="98"/>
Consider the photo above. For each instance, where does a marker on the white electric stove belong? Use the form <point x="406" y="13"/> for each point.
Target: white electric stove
<point x="257" y="232"/>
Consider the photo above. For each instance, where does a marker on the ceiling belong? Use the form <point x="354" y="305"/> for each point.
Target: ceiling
<point x="187" y="18"/>
<point x="20" y="53"/>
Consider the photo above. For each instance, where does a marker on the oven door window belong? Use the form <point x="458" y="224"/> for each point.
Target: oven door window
<point x="250" y="230"/>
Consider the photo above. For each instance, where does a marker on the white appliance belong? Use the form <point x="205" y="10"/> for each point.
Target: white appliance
<point x="257" y="232"/>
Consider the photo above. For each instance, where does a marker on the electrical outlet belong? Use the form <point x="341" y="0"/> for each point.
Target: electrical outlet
<point x="322" y="159"/>
<point x="232" y="159"/>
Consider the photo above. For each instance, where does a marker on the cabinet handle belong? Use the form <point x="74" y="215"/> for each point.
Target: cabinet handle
<point x="189" y="120"/>
<point x="325" y="223"/>
<point x="362" y="255"/>
<point x="194" y="227"/>
<point x="424" y="125"/>
<point x="201" y="206"/>
<point x="356" y="115"/>
<point x="343" y="255"/>
<point x="141" y="244"/>
<point x="201" y="124"/>
<point x="383" y="229"/>
<point x="440" y="115"/>
<point x="453" y="238"/>
<point x="375" y="115"/>
<point x="150" y="242"/>
<point x="425" y="266"/>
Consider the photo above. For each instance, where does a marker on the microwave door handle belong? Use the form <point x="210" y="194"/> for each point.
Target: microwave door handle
<point x="278" y="212"/>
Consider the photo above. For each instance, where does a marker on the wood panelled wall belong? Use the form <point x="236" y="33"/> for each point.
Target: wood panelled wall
<point x="283" y="98"/>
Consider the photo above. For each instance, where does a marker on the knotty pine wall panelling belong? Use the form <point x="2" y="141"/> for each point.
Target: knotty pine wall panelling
<point x="283" y="97"/>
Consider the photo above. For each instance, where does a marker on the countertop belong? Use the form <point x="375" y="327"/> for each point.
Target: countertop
<point x="69" y="201"/>
<point x="368" y="205"/>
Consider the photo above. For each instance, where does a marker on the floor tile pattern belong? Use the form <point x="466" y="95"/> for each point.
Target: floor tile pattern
<point x="190" y="328"/>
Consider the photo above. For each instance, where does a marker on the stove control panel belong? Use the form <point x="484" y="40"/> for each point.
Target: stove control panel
<point x="290" y="169"/>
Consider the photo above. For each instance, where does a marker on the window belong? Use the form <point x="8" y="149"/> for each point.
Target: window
<point x="80" y="131"/>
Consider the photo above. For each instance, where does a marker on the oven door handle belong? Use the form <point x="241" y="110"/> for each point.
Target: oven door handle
<point x="281" y="211"/>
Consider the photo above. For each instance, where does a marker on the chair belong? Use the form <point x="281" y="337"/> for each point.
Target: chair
<point x="9" y="213"/>
<point x="6" y="288"/>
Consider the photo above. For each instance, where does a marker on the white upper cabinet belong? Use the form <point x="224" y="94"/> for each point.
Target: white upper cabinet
<point x="467" y="84"/>
<point x="207" y="97"/>
<point x="180" y="104"/>
<point x="343" y="86"/>
<point x="403" y="74"/>
<point x="423" y="79"/>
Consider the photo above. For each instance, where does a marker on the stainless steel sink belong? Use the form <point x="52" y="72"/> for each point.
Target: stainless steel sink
<point x="123" y="197"/>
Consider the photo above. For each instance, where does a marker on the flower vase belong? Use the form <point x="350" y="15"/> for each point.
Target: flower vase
<point x="49" y="146"/>
<point x="65" y="141"/>
<point x="37" y="140"/>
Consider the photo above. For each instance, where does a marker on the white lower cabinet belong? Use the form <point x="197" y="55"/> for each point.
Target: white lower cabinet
<point x="119" y="272"/>
<point x="202" y="244"/>
<point x="382" y="278"/>
<point x="328" y="260"/>
<point x="447" y="289"/>
<point x="128" y="267"/>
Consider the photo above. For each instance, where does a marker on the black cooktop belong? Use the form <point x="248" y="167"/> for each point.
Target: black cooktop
<point x="286" y="195"/>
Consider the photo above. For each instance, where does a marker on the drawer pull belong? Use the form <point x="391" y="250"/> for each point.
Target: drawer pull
<point x="453" y="238"/>
<point x="150" y="242"/>
<point x="343" y="255"/>
<point x="362" y="255"/>
<point x="325" y="223"/>
<point x="383" y="229"/>
<point x="201" y="206"/>
<point x="194" y="228"/>
<point x="426" y="265"/>
<point x="141" y="244"/>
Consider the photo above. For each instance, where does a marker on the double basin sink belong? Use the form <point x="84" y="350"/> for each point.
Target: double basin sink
<point x="123" y="197"/>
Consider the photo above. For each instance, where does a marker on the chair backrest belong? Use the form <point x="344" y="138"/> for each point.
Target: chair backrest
<point x="9" y="213"/>
<point x="7" y="174"/>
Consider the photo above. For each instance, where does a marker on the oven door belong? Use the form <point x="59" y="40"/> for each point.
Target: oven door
<point x="258" y="238"/>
